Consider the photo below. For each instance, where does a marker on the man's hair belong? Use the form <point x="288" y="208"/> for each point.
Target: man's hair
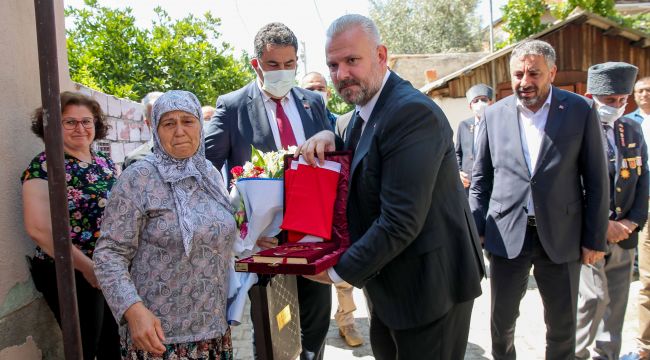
<point x="74" y="98"/>
<point x="643" y="79"/>
<point x="310" y="74"/>
<point x="274" y="34"/>
<point x="149" y="99"/>
<point x="346" y="22"/>
<point x="535" y="47"/>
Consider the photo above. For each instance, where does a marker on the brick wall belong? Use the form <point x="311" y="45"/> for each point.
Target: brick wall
<point x="126" y="118"/>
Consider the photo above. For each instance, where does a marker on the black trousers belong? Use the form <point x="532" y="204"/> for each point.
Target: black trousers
<point x="443" y="339"/>
<point x="315" y="300"/>
<point x="99" y="331"/>
<point x="558" y="286"/>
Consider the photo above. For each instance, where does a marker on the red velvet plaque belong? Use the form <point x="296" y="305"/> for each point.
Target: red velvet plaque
<point x="310" y="258"/>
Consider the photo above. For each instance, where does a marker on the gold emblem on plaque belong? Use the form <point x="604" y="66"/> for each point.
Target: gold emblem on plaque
<point x="241" y="267"/>
<point x="283" y="317"/>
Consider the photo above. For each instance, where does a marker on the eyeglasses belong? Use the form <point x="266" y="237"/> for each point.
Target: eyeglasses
<point x="71" y="124"/>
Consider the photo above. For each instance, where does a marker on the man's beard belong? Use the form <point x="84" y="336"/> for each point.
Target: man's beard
<point x="365" y="92"/>
<point x="533" y="101"/>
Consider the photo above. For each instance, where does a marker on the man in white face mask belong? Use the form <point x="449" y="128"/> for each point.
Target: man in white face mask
<point x="479" y="97"/>
<point x="316" y="82"/>
<point x="604" y="285"/>
<point x="271" y="113"/>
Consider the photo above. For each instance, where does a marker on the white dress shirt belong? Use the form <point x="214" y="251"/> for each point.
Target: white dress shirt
<point x="364" y="112"/>
<point x="289" y="106"/>
<point x="531" y="127"/>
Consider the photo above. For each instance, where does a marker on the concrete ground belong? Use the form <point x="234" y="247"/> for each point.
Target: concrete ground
<point x="529" y="339"/>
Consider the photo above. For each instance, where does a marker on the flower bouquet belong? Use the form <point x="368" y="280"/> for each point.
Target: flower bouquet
<point x="257" y="194"/>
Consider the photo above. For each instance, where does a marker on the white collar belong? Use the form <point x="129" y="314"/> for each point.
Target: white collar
<point x="521" y="106"/>
<point x="366" y="110"/>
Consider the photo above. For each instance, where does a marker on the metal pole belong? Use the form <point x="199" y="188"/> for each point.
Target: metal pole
<point x="492" y="68"/>
<point x="49" y="73"/>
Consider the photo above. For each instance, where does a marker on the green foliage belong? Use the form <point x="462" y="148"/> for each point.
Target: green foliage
<point x="108" y="52"/>
<point x="603" y="8"/>
<point x="523" y="18"/>
<point x="336" y="104"/>
<point x="640" y="22"/>
<point x="427" y="26"/>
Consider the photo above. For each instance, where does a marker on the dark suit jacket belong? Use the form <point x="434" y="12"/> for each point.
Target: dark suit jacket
<point x="569" y="184"/>
<point x="414" y="246"/>
<point x="465" y="145"/>
<point x="631" y="193"/>
<point x="240" y="121"/>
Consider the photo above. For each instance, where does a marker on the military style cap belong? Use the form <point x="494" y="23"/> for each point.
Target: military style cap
<point x="611" y="78"/>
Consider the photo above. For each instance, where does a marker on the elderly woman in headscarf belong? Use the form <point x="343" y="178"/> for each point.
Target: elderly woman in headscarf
<point x="163" y="256"/>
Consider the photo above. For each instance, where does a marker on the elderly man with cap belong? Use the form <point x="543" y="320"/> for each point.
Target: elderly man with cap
<point x="604" y="285"/>
<point x="479" y="97"/>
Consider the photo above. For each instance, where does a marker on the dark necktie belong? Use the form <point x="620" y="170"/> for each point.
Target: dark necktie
<point x="355" y="132"/>
<point x="611" y="154"/>
<point x="611" y="165"/>
<point x="287" y="137"/>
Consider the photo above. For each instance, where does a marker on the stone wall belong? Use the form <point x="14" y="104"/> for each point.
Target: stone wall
<point x="126" y="118"/>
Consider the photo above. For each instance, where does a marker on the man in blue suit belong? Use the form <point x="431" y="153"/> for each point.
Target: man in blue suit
<point x="271" y="113"/>
<point x="539" y="196"/>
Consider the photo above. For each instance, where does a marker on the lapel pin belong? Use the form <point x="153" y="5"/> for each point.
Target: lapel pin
<point x="561" y="107"/>
<point x="305" y="104"/>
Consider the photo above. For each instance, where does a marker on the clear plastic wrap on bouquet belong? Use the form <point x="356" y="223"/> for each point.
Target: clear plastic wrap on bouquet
<point x="263" y="203"/>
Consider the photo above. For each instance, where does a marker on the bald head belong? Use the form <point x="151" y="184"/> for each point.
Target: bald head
<point x="314" y="81"/>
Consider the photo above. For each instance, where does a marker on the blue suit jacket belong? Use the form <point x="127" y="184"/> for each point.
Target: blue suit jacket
<point x="569" y="185"/>
<point x="240" y="121"/>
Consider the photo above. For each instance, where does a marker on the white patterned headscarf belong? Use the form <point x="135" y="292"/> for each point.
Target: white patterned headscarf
<point x="178" y="172"/>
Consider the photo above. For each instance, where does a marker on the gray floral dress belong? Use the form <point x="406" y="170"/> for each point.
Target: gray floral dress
<point x="140" y="257"/>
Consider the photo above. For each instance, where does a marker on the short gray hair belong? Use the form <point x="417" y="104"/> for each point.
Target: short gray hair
<point x="346" y="22"/>
<point x="274" y="34"/>
<point x="149" y="99"/>
<point x="534" y="47"/>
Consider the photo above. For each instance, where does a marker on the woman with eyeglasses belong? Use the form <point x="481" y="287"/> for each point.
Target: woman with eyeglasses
<point x="89" y="176"/>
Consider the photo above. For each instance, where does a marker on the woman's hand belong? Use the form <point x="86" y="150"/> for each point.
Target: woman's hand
<point x="87" y="270"/>
<point x="145" y="329"/>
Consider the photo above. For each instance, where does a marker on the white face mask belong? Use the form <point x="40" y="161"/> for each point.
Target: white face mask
<point x="323" y="94"/>
<point x="609" y="114"/>
<point x="278" y="82"/>
<point x="478" y="108"/>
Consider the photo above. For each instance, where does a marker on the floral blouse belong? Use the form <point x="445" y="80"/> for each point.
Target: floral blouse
<point x="88" y="187"/>
<point x="140" y="256"/>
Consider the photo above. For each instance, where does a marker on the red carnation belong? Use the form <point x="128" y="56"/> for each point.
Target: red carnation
<point x="237" y="171"/>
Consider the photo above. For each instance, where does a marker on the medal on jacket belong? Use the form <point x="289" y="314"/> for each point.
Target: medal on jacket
<point x="471" y="129"/>
<point x="638" y="165"/>
<point x="625" y="172"/>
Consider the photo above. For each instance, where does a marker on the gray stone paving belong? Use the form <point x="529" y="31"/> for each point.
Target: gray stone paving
<point x="529" y="338"/>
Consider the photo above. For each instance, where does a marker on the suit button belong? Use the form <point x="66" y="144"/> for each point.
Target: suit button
<point x="618" y="189"/>
<point x="618" y="209"/>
